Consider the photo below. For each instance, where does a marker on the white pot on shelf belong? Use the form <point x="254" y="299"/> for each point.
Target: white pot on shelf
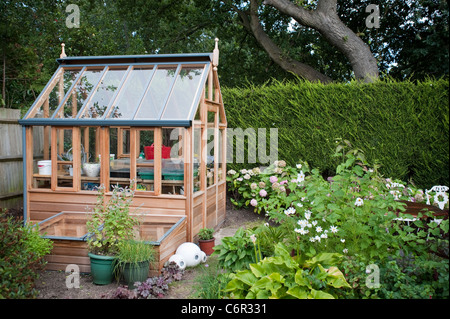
<point x="91" y="169"/>
<point x="45" y="167"/>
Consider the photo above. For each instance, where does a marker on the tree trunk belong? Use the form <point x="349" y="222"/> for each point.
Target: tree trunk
<point x="253" y="25"/>
<point x="325" y="20"/>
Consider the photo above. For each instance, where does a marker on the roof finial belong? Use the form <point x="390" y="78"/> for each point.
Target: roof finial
<point x="63" y="53"/>
<point x="216" y="55"/>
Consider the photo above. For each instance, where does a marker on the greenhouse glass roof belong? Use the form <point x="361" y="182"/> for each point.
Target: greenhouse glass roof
<point x="136" y="90"/>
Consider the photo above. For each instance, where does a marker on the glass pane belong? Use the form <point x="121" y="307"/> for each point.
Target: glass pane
<point x="64" y="139"/>
<point x="119" y="168"/>
<point x="80" y="93"/>
<point x="210" y="157"/>
<point x="105" y="91"/>
<point x="42" y="165"/>
<point x="90" y="155"/>
<point x="125" y="143"/>
<point x="145" y="161"/>
<point x="156" y="95"/>
<point x="183" y="94"/>
<point x="131" y="93"/>
<point x="221" y="155"/>
<point x="172" y="161"/>
<point x="63" y="83"/>
<point x="197" y="157"/>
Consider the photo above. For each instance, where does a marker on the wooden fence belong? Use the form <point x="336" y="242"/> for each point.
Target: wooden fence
<point x="11" y="168"/>
<point x="11" y="162"/>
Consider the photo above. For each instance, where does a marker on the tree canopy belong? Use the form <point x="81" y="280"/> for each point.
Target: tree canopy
<point x="411" y="41"/>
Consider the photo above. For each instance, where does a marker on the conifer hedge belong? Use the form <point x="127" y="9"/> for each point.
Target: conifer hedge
<point x="404" y="126"/>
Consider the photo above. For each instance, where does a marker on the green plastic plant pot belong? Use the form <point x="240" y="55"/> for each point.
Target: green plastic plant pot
<point x="102" y="269"/>
<point x="133" y="272"/>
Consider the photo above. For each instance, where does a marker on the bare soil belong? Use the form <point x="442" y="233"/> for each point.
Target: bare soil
<point x="52" y="284"/>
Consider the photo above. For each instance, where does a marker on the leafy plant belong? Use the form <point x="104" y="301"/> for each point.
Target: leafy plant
<point x="111" y="222"/>
<point x="235" y="252"/>
<point x="206" y="233"/>
<point x="283" y="276"/>
<point x="171" y="272"/>
<point x="21" y="258"/>
<point x="154" y="287"/>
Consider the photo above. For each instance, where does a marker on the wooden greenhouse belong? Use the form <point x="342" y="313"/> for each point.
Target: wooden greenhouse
<point x="156" y="120"/>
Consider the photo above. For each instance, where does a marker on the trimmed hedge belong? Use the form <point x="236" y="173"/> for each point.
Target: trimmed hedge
<point x="404" y="126"/>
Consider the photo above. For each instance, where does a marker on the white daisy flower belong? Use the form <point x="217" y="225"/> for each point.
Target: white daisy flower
<point x="300" y="177"/>
<point x="290" y="211"/>
<point x="308" y="214"/>
<point x="359" y="201"/>
<point x="302" y="223"/>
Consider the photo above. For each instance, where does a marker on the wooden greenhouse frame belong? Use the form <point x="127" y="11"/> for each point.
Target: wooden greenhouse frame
<point x="157" y="120"/>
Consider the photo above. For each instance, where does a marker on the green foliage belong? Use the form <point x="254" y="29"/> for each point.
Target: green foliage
<point x="134" y="251"/>
<point x="21" y="258"/>
<point x="354" y="214"/>
<point x="111" y="222"/>
<point x="206" y="233"/>
<point x="382" y="119"/>
<point x="235" y="252"/>
<point x="283" y="276"/>
<point x="211" y="282"/>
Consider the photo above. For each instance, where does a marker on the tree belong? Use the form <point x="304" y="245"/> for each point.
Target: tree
<point x="322" y="17"/>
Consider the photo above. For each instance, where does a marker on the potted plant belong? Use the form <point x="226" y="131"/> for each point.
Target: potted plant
<point x="206" y="240"/>
<point x="133" y="261"/>
<point x="108" y="225"/>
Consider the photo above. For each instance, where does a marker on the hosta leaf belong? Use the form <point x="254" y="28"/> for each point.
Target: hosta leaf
<point x="336" y="278"/>
<point x="298" y="292"/>
<point x="300" y="279"/>
<point x="318" y="294"/>
<point x="246" y="277"/>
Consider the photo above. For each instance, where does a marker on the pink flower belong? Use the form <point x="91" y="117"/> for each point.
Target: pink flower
<point x="273" y="179"/>
<point x="262" y="193"/>
<point x="283" y="182"/>
<point x="253" y="202"/>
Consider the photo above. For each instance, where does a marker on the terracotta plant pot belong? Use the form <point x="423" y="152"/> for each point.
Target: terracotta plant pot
<point x="207" y="245"/>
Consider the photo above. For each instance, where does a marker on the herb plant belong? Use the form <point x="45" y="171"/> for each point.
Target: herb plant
<point x="206" y="233"/>
<point x="111" y="222"/>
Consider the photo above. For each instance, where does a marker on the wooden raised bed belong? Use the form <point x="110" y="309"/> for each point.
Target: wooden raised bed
<point x="68" y="232"/>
